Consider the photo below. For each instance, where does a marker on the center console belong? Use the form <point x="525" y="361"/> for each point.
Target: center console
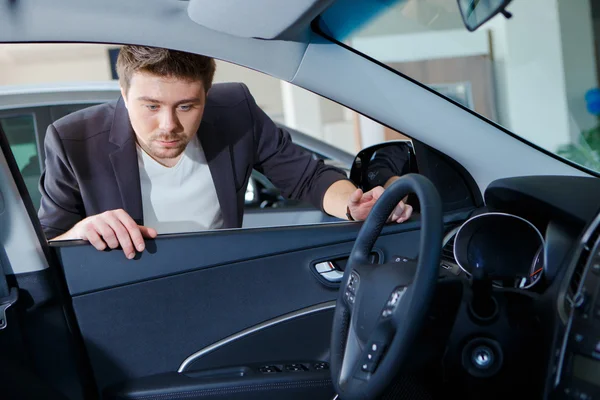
<point x="577" y="367"/>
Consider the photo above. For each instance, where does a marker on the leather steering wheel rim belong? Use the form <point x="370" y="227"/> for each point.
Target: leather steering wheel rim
<point x="398" y="324"/>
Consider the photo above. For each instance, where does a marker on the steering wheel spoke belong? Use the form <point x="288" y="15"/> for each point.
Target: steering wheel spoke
<point x="381" y="307"/>
<point x="361" y="359"/>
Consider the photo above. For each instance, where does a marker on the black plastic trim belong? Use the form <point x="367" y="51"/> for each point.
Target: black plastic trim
<point x="230" y="383"/>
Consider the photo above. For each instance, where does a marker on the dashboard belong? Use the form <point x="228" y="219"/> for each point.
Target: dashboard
<point x="539" y="238"/>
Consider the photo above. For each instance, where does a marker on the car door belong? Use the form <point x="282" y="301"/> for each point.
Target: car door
<point x="240" y="313"/>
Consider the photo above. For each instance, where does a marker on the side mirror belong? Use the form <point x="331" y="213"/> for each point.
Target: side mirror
<point x="375" y="165"/>
<point x="477" y="12"/>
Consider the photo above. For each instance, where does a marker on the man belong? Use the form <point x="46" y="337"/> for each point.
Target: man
<point x="174" y="154"/>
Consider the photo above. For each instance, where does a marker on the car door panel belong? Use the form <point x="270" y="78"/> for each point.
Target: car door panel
<point x="187" y="292"/>
<point x="87" y="270"/>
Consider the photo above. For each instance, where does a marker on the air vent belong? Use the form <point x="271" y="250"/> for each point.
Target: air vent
<point x="448" y="251"/>
<point x="447" y="260"/>
<point x="584" y="257"/>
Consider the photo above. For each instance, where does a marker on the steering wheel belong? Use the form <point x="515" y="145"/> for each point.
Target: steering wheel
<point x="381" y="308"/>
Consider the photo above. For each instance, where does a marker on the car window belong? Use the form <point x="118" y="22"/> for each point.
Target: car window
<point x="21" y="133"/>
<point x="325" y="129"/>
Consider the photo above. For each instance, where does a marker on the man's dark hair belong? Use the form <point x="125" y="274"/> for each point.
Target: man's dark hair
<point x="164" y="62"/>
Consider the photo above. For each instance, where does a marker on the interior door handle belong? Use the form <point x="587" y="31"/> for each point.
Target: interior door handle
<point x="329" y="272"/>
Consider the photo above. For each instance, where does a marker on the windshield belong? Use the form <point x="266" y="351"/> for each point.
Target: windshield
<point x="535" y="74"/>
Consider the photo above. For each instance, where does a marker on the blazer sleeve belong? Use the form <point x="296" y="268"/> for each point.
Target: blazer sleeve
<point x="61" y="204"/>
<point x="288" y="166"/>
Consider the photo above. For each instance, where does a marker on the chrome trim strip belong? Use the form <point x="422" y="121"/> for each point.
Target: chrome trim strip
<point x="487" y="214"/>
<point x="253" y="329"/>
<point x="449" y="236"/>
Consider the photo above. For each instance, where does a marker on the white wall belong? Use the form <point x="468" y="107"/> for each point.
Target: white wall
<point x="44" y="63"/>
<point x="302" y="110"/>
<point x="543" y="57"/>
<point x="530" y="73"/>
<point x="577" y="35"/>
<point x="265" y="89"/>
<point x="36" y="63"/>
<point x="318" y="117"/>
<point x="419" y="46"/>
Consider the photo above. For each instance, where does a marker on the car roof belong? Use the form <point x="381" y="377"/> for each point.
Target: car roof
<point x="48" y="94"/>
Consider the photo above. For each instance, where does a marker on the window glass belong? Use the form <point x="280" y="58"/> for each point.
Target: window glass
<point x="535" y="74"/>
<point x="63" y="78"/>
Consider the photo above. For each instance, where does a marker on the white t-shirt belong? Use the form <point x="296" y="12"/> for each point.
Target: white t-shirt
<point x="181" y="198"/>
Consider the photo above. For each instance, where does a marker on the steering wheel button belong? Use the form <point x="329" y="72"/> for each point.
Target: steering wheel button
<point x="368" y="367"/>
<point x="349" y="297"/>
<point x="395" y="297"/>
<point x="386" y="312"/>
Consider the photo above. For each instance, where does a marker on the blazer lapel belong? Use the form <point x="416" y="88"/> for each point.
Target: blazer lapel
<point x="124" y="163"/>
<point x="218" y="155"/>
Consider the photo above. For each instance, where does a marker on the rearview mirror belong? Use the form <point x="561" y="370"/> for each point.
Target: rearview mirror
<point x="375" y="165"/>
<point x="477" y="12"/>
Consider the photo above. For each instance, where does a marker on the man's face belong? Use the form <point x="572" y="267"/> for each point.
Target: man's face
<point x="165" y="113"/>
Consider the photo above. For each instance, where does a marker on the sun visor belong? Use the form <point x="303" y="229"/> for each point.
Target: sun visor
<point x="263" y="19"/>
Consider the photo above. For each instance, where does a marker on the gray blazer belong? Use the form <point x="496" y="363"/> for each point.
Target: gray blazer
<point x="91" y="161"/>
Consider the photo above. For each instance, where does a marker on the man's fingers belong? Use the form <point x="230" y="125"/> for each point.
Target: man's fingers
<point x="94" y="238"/>
<point x="398" y="212"/>
<point x="113" y="229"/>
<point x="106" y="232"/>
<point x="406" y="213"/>
<point x="147" y="232"/>
<point x="133" y="230"/>
<point x="122" y="234"/>
<point x="372" y="194"/>
<point x="377" y="192"/>
<point x="356" y="196"/>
